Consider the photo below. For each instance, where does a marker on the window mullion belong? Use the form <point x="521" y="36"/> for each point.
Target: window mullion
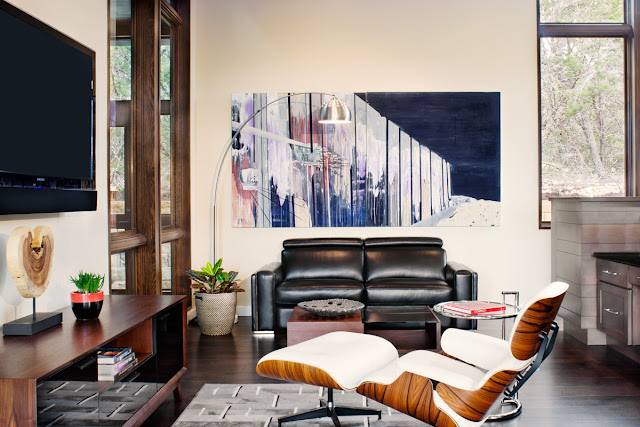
<point x="632" y="163"/>
<point x="586" y="30"/>
<point x="181" y="103"/>
<point x="146" y="104"/>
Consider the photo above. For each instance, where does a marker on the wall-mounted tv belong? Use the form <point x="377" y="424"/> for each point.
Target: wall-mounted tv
<point x="47" y="118"/>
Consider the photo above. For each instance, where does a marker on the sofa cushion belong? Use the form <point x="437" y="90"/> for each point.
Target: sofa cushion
<point x="320" y="241"/>
<point x="435" y="242"/>
<point x="323" y="262"/>
<point x="295" y="291"/>
<point x="406" y="291"/>
<point x="410" y="261"/>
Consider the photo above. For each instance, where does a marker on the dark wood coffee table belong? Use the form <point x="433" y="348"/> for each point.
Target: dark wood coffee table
<point x="303" y="325"/>
<point x="419" y="326"/>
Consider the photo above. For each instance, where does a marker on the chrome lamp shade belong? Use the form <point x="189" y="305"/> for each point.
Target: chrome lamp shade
<point x="334" y="111"/>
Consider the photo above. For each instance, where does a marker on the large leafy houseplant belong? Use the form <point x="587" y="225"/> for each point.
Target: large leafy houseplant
<point x="212" y="279"/>
<point x="216" y="298"/>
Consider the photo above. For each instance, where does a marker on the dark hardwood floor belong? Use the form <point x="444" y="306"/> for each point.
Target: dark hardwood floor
<point x="578" y="385"/>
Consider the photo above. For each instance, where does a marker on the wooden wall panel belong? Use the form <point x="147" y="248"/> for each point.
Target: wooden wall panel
<point x="610" y="233"/>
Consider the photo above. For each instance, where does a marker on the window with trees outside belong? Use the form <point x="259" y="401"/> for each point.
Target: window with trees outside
<point x="586" y="53"/>
<point x="149" y="147"/>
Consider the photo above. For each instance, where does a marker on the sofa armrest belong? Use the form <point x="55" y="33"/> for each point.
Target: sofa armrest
<point x="263" y="283"/>
<point x="465" y="286"/>
<point x="463" y="279"/>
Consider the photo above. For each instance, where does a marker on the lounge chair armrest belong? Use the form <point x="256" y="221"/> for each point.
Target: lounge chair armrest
<point x="476" y="349"/>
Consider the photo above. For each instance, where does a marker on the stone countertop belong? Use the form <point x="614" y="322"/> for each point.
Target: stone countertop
<point x="628" y="258"/>
<point x="597" y="199"/>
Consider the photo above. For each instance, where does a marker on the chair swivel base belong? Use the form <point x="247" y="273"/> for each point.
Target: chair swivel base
<point x="502" y="415"/>
<point x="328" y="409"/>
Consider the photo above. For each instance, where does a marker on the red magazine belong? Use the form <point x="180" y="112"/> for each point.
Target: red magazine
<point x="474" y="307"/>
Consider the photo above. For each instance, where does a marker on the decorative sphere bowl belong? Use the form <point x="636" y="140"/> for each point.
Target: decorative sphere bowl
<point x="331" y="307"/>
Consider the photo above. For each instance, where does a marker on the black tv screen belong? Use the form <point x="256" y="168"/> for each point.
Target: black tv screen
<point x="46" y="111"/>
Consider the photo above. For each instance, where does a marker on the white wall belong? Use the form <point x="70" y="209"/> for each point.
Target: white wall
<point x="368" y="46"/>
<point x="81" y="238"/>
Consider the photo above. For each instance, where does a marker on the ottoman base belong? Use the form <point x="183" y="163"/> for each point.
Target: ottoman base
<point x="328" y="409"/>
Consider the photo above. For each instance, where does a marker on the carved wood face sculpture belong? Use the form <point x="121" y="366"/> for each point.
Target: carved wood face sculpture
<point x="29" y="258"/>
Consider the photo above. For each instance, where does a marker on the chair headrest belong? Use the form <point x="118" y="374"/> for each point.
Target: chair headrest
<point x="535" y="317"/>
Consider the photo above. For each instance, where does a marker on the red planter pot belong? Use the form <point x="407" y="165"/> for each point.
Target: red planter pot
<point x="87" y="306"/>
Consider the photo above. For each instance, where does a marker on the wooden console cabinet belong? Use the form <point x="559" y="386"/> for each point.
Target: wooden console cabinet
<point x="51" y="377"/>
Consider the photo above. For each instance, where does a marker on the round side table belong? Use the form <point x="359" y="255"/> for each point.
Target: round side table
<point x="512" y="310"/>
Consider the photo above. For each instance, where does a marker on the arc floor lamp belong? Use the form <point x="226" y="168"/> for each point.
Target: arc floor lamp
<point x="332" y="111"/>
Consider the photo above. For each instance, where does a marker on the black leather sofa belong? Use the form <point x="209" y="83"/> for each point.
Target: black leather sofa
<point x="391" y="271"/>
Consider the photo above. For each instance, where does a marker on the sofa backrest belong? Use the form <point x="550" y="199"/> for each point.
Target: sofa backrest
<point x="397" y="257"/>
<point x="339" y="258"/>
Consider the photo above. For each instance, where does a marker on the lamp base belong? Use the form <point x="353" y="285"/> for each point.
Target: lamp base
<point x="29" y="326"/>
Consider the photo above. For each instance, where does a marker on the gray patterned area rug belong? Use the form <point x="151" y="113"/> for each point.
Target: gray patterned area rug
<point x="262" y="404"/>
<point x="81" y="403"/>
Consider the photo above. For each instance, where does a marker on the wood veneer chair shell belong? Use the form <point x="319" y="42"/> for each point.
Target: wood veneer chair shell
<point x="411" y="394"/>
<point x="297" y="372"/>
<point x="474" y="404"/>
<point x="538" y="318"/>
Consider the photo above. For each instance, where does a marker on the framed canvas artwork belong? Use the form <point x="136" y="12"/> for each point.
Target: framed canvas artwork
<point x="419" y="159"/>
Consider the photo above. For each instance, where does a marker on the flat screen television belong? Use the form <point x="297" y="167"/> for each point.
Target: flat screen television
<point x="47" y="118"/>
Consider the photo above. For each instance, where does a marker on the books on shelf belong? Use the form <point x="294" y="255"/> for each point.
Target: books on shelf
<point x="110" y="372"/>
<point x="474" y="307"/>
<point x="112" y="369"/>
<point x="114" y="361"/>
<point x="111" y="355"/>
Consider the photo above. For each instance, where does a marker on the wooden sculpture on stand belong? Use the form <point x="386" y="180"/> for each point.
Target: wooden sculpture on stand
<point x="29" y="258"/>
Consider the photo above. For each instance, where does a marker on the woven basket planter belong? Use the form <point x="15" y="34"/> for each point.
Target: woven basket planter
<point x="216" y="312"/>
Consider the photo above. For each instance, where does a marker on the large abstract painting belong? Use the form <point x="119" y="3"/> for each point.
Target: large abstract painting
<point x="406" y="159"/>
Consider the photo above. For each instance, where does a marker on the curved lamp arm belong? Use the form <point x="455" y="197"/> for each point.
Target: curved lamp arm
<point x="225" y="152"/>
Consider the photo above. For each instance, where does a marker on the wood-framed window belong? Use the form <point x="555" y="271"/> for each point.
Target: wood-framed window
<point x="149" y="146"/>
<point x="588" y="61"/>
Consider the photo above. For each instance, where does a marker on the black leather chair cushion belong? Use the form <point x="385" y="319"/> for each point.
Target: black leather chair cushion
<point x="403" y="241"/>
<point x="295" y="291"/>
<point x="404" y="291"/>
<point x="332" y="242"/>
<point x="411" y="261"/>
<point x="323" y="262"/>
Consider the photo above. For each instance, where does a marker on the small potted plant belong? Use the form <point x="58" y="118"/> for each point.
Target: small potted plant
<point x="86" y="302"/>
<point x="216" y="298"/>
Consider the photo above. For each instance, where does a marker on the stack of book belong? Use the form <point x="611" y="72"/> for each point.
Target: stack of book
<point x="474" y="307"/>
<point x="114" y="361"/>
